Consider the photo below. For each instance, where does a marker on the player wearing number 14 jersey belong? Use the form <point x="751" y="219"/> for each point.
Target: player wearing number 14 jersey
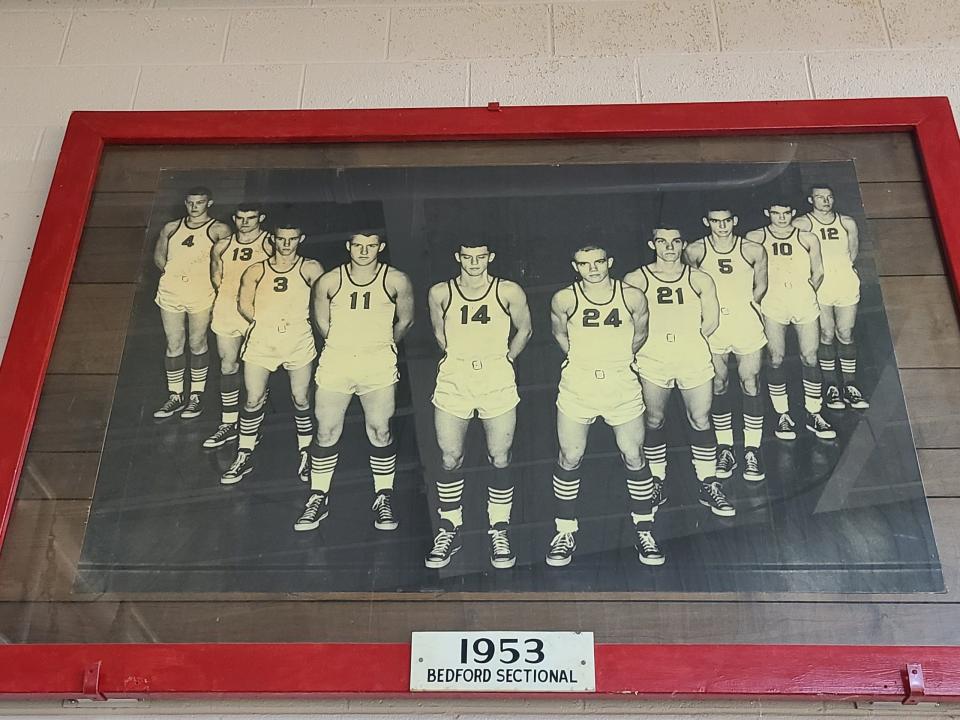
<point x="472" y="317"/>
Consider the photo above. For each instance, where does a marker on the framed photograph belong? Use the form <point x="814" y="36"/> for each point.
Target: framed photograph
<point x="286" y="387"/>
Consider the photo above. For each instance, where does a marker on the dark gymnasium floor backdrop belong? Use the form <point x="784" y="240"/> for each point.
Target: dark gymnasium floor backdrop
<point x="841" y="516"/>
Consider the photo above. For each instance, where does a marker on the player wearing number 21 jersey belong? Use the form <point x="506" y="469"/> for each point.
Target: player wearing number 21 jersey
<point x="473" y="315"/>
<point x="684" y="313"/>
<point x="362" y="309"/>
<point x="599" y="323"/>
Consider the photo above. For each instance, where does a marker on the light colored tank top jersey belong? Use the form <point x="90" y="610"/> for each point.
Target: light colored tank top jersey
<point x="361" y="315"/>
<point x="788" y="262"/>
<point x="236" y="259"/>
<point x="834" y="242"/>
<point x="282" y="301"/>
<point x="731" y="273"/>
<point x="600" y="333"/>
<point x="188" y="250"/>
<point x="674" y="329"/>
<point x="476" y="328"/>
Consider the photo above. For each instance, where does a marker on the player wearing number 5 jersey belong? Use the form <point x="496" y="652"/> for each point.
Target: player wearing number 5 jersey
<point x="839" y="296"/>
<point x="739" y="271"/>
<point x="473" y="315"/>
<point x="229" y="258"/>
<point x="684" y="312"/>
<point x="795" y="271"/>
<point x="275" y="300"/>
<point x="185" y="295"/>
<point x="362" y="309"/>
<point x="599" y="323"/>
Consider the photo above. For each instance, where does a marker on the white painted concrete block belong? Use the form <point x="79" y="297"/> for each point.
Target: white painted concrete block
<point x="219" y="87"/>
<point x="923" y="23"/>
<point x="800" y="24"/>
<point x="11" y="282"/>
<point x="553" y="81"/>
<point x="88" y="4"/>
<point x="155" y="36"/>
<point x="365" y="85"/>
<point x="19" y="220"/>
<point x="715" y="78"/>
<point x="470" y="31"/>
<point x="18" y="147"/>
<point x="308" y="35"/>
<point x="47" y="95"/>
<point x="32" y="38"/>
<point x="232" y="4"/>
<point x="631" y="28"/>
<point x="45" y="161"/>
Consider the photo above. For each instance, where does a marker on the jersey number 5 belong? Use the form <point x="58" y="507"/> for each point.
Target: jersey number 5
<point x="481" y="315"/>
<point x="725" y="265"/>
<point x="666" y="295"/>
<point x="591" y="318"/>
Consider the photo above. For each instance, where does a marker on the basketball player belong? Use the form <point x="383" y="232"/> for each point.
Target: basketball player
<point x="599" y="323"/>
<point x="185" y="296"/>
<point x="275" y="300"/>
<point x="684" y="312"/>
<point x="739" y="271"/>
<point x="472" y="316"/>
<point x="838" y="295"/>
<point x="362" y="309"/>
<point x="795" y="271"/>
<point x="229" y="258"/>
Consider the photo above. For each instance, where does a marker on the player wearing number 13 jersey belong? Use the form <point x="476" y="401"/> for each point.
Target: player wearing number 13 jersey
<point x="473" y="315"/>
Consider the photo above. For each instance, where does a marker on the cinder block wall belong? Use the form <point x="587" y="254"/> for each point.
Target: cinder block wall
<point x="60" y="55"/>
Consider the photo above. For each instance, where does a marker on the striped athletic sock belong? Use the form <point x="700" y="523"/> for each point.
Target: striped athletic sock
<point x="383" y="465"/>
<point x="304" y="423"/>
<point x="752" y="421"/>
<point x="323" y="461"/>
<point x="250" y="421"/>
<point x="175" y="368"/>
<point x="848" y="363"/>
<point x="566" y="490"/>
<point x="450" y="494"/>
<point x="640" y="488"/>
<point x="777" y="385"/>
<point x="655" y="451"/>
<point x="722" y="414"/>
<point x="812" y="389"/>
<point x="230" y="398"/>
<point x="704" y="450"/>
<point x="500" y="495"/>
<point x="827" y="357"/>
<point x="199" y="365"/>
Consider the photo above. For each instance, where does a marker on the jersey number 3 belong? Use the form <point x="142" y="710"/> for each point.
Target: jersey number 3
<point x="480" y="316"/>
<point x="280" y="284"/>
<point x="591" y="318"/>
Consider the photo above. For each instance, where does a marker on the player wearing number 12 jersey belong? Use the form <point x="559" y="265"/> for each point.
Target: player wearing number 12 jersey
<point x="472" y="317"/>
<point x="599" y="323"/>
<point x="362" y="309"/>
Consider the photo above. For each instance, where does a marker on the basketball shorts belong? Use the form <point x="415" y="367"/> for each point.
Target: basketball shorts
<point x="272" y="350"/>
<point x="796" y="306"/>
<point x="486" y="387"/>
<point x="685" y="371"/>
<point x="612" y="394"/>
<point x="357" y="372"/>
<point x="227" y="320"/>
<point x="840" y="287"/>
<point x="740" y="331"/>
<point x="184" y="293"/>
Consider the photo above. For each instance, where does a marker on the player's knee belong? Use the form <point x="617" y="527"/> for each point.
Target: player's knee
<point x="809" y="359"/>
<point x="699" y="421"/>
<point x="845" y="335"/>
<point x="254" y="401"/>
<point x="570" y="459"/>
<point x="653" y="421"/>
<point x="775" y="359"/>
<point x="328" y="435"/>
<point x="719" y="385"/>
<point x="826" y="335"/>
<point x="301" y="402"/>
<point x="499" y="458"/>
<point x="175" y="346"/>
<point x="229" y="366"/>
<point x="379" y="435"/>
<point x="632" y="459"/>
<point x="451" y="461"/>
<point x="750" y="385"/>
<point x="198" y="346"/>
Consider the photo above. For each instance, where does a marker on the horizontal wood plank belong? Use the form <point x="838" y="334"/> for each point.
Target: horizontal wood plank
<point x="109" y="255"/>
<point x="73" y="412"/>
<point x="58" y="476"/>
<point x="933" y="405"/>
<point x="923" y="321"/>
<point x="92" y="329"/>
<point x="895" y="200"/>
<point x="906" y="247"/>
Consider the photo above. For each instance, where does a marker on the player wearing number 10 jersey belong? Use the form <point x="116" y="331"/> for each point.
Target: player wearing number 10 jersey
<point x="472" y="317"/>
<point x="599" y="323"/>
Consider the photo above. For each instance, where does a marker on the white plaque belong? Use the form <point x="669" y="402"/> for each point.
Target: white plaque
<point x="502" y="662"/>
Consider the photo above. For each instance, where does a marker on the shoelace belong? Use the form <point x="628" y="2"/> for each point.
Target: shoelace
<point x="382" y="506"/>
<point x="313" y="506"/>
<point x="753" y="464"/>
<point x="172" y="402"/>
<point x="785" y="422"/>
<point x="562" y="541"/>
<point x="716" y="494"/>
<point x="854" y="394"/>
<point x="193" y="400"/>
<point x="726" y="458"/>
<point x="442" y="542"/>
<point x="820" y="423"/>
<point x="501" y="543"/>
<point x="238" y="462"/>
<point x="222" y="431"/>
<point x="647" y="542"/>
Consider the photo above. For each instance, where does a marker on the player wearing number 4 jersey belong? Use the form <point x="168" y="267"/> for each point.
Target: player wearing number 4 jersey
<point x="599" y="323"/>
<point x="795" y="271"/>
<point x="185" y="295"/>
<point x="739" y="271"/>
<point x="684" y="313"/>
<point x="229" y="258"/>
<point x="275" y="300"/>
<point x="472" y="317"/>
<point x="362" y="309"/>
<point x="839" y="296"/>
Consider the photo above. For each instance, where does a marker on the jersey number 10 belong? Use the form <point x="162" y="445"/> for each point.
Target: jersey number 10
<point x="782" y="248"/>
<point x="480" y="316"/>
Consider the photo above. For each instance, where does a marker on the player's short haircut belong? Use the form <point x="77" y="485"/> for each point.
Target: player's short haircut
<point x="250" y="206"/>
<point x="818" y="186"/>
<point x="288" y="224"/>
<point x="779" y="201"/>
<point x="588" y="248"/>
<point x="379" y="235"/>
<point x="474" y="243"/>
<point x="665" y="225"/>
<point x="718" y="207"/>
<point x="199" y="190"/>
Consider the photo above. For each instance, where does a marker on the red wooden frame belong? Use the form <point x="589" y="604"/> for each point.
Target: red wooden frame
<point x="126" y="670"/>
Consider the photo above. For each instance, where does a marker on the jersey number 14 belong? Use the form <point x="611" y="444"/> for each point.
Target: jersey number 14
<point x="480" y="316"/>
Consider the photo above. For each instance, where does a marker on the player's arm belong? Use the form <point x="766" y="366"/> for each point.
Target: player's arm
<point x="709" y="304"/>
<point x="816" y="258"/>
<point x="219" y="231"/>
<point x="312" y="271"/>
<point x="402" y="292"/>
<point x="248" y="289"/>
<point x="853" y="236"/>
<point x="694" y="253"/>
<point x="163" y="244"/>
<point x="439" y="295"/>
<point x="515" y="300"/>
<point x="561" y="305"/>
<point x="323" y="289"/>
<point x="755" y="236"/>
<point x="636" y="278"/>
<point x="637" y="305"/>
<point x="756" y="255"/>
<point x="803" y="223"/>
<point x="216" y="261"/>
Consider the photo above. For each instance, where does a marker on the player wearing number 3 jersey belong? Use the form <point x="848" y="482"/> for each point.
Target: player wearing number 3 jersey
<point x="472" y="317"/>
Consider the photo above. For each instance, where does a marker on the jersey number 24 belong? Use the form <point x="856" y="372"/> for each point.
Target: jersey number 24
<point x="591" y="318"/>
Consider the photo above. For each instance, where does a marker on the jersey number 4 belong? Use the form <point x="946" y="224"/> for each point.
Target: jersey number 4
<point x="480" y="316"/>
<point x="188" y="241"/>
<point x="591" y="318"/>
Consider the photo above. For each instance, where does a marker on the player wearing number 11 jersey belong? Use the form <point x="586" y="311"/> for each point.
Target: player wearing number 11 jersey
<point x="472" y="317"/>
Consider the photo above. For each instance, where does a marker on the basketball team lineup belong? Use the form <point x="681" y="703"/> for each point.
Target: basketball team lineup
<point x="679" y="322"/>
